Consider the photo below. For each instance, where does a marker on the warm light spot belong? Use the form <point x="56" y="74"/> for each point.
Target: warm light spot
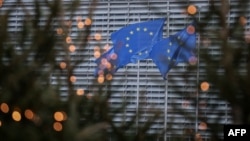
<point x="59" y="116"/>
<point x="97" y="54"/>
<point x="72" y="79"/>
<point x="113" y="56"/>
<point x="243" y="20"/>
<point x="0" y="123"/>
<point x="100" y="79"/>
<point x="16" y="116"/>
<point x="80" y="92"/>
<point x="98" y="36"/>
<point x="192" y="60"/>
<point x="190" y="29"/>
<point x="106" y="47"/>
<point x="80" y="24"/>
<point x="204" y="86"/>
<point x="72" y="48"/>
<point x="104" y="61"/>
<point x="28" y="114"/>
<point x="59" y="31"/>
<point x="68" y="40"/>
<point x="109" y="76"/>
<point x="198" y="137"/>
<point x="4" y="107"/>
<point x="57" y="126"/>
<point x="202" y="126"/>
<point x="97" y="48"/>
<point x="191" y="9"/>
<point x="63" y="65"/>
<point x="88" y="21"/>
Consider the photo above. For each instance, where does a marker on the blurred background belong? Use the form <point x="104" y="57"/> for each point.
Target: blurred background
<point x="48" y="90"/>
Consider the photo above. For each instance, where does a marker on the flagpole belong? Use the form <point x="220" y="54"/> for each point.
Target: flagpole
<point x="197" y="77"/>
<point x="166" y="85"/>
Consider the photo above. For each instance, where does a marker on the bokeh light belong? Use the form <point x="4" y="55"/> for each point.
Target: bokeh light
<point x="72" y="79"/>
<point x="106" y="47"/>
<point x="204" y="86"/>
<point x="80" y="25"/>
<point x="0" y="123"/>
<point x="63" y="65"/>
<point x="243" y="20"/>
<point x="202" y="126"/>
<point x="192" y="60"/>
<point x="88" y="21"/>
<point x="59" y="31"/>
<point x="109" y="76"/>
<point x="191" y="9"/>
<point x="97" y="54"/>
<point x="29" y="114"/>
<point x="198" y="137"/>
<point x="57" y="126"/>
<point x="98" y="36"/>
<point x="16" y="116"/>
<point x="68" y="39"/>
<point x="190" y="29"/>
<point x="100" y="79"/>
<point x="1" y="3"/>
<point x="60" y="116"/>
<point x="113" y="56"/>
<point x="72" y="48"/>
<point x="4" y="108"/>
<point x="80" y="92"/>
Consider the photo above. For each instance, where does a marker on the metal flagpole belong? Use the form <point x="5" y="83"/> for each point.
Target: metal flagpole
<point x="166" y="86"/>
<point x="197" y="77"/>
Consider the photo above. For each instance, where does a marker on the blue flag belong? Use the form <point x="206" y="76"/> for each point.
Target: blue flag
<point x="130" y="44"/>
<point x="177" y="48"/>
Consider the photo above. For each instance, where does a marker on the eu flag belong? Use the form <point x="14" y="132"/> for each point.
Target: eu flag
<point x="177" y="48"/>
<point x="130" y="44"/>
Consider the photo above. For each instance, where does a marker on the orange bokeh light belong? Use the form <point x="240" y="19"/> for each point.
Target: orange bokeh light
<point x="16" y="116"/>
<point x="63" y="65"/>
<point x="191" y="9"/>
<point x="57" y="126"/>
<point x="68" y="40"/>
<point x="88" y="21"/>
<point x="59" y="31"/>
<point x="80" y="92"/>
<point x="100" y="79"/>
<point x="190" y="29"/>
<point x="72" y="79"/>
<point x="72" y="48"/>
<point x="204" y="86"/>
<point x="80" y="24"/>
<point x="243" y="20"/>
<point x="29" y="114"/>
<point x="98" y="36"/>
<point x="4" y="108"/>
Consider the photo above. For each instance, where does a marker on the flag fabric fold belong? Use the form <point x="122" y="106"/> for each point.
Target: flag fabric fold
<point x="130" y="44"/>
<point x="144" y="41"/>
<point x="177" y="48"/>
